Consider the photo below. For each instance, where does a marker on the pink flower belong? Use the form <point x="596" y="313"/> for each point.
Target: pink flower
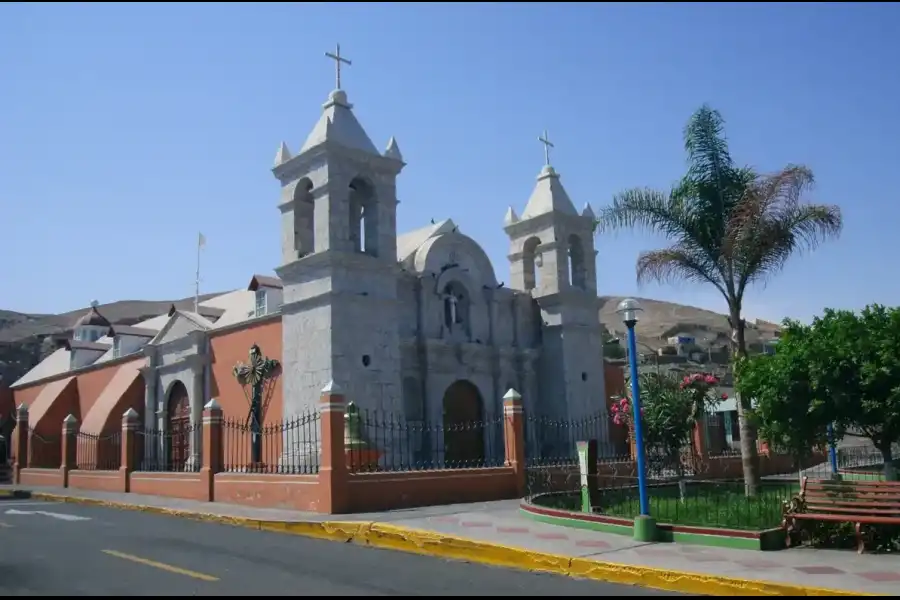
<point x="711" y="380"/>
<point x="724" y="396"/>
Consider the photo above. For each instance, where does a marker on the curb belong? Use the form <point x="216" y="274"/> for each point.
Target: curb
<point x="14" y="495"/>
<point x="381" y="535"/>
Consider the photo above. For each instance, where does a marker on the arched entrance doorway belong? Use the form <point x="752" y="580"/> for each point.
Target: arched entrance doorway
<point x="179" y="427"/>
<point x="463" y="425"/>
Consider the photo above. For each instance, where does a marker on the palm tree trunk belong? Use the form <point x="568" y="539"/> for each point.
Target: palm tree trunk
<point x="749" y="456"/>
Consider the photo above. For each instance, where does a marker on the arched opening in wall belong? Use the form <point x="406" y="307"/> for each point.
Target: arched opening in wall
<point x="457" y="306"/>
<point x="531" y="263"/>
<point x="577" y="270"/>
<point x="464" y="427"/>
<point x="304" y="218"/>
<point x="363" y="217"/>
<point x="178" y="430"/>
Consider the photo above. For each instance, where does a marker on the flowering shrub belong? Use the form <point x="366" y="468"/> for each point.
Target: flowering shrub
<point x="670" y="407"/>
<point x="702" y="388"/>
<point x="622" y="413"/>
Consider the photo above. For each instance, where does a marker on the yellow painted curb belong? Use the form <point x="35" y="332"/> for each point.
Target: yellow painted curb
<point x="381" y="535"/>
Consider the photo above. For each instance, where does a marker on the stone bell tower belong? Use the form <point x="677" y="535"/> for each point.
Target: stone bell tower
<point x="552" y="256"/>
<point x="339" y="262"/>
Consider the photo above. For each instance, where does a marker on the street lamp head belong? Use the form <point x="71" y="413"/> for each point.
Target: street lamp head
<point x="629" y="309"/>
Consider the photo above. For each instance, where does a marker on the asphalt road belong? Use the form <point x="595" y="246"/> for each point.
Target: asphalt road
<point x="50" y="549"/>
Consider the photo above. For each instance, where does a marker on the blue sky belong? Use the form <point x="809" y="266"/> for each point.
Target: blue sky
<point x="127" y="128"/>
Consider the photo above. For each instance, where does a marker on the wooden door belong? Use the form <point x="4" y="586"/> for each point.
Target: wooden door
<point x="179" y="433"/>
<point x="463" y="426"/>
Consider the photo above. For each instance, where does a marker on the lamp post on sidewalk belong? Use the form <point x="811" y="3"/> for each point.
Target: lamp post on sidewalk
<point x="644" y="525"/>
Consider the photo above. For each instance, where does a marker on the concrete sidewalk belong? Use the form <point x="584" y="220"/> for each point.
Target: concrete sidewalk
<point x="497" y="533"/>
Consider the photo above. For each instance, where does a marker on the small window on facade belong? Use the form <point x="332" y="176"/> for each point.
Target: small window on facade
<point x="260" y="302"/>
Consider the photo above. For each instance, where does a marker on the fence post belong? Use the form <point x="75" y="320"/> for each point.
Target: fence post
<point x="333" y="483"/>
<point x="128" y="461"/>
<point x="701" y="451"/>
<point x="69" y="448"/>
<point x="213" y="450"/>
<point x="514" y="436"/>
<point x="20" y="443"/>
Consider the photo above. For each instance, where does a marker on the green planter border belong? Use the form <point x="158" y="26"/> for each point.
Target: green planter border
<point x="767" y="540"/>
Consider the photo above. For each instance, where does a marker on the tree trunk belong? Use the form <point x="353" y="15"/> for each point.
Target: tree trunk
<point x="749" y="456"/>
<point x="890" y="472"/>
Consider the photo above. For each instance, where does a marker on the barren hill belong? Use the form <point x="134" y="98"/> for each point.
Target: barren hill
<point x="660" y="320"/>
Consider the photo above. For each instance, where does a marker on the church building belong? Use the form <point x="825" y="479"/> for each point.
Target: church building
<point x="416" y="324"/>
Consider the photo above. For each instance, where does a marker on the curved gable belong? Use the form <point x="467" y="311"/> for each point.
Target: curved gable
<point x="454" y="249"/>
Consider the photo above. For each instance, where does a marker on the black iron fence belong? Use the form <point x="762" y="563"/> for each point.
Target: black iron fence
<point x="45" y="451"/>
<point x="868" y="463"/>
<point x="383" y="441"/>
<point x="175" y="451"/>
<point x="98" y="452"/>
<point x="291" y="446"/>
<point x="552" y="441"/>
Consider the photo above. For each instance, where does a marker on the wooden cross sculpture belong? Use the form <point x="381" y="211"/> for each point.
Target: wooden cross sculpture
<point x="258" y="371"/>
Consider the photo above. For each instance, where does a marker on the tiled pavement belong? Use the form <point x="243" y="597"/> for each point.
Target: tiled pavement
<point x="503" y="523"/>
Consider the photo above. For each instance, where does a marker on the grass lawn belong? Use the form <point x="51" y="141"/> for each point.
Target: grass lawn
<point x="706" y="503"/>
<point x="714" y="504"/>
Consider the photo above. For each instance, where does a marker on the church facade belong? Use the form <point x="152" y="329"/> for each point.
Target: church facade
<point x="416" y="324"/>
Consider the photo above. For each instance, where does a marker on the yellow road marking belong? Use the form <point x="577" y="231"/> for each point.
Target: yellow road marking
<point x="161" y="566"/>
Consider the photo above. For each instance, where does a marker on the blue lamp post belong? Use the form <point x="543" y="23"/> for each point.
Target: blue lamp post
<point x="832" y="451"/>
<point x="629" y="309"/>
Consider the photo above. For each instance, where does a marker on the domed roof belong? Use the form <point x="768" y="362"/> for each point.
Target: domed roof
<point x="92" y="318"/>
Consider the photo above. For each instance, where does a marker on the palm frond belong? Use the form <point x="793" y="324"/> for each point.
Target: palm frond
<point x="707" y="148"/>
<point x="772" y="223"/>
<point x="679" y="263"/>
<point x="644" y="208"/>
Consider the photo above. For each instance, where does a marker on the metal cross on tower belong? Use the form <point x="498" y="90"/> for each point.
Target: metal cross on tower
<point x="338" y="59"/>
<point x="545" y="140"/>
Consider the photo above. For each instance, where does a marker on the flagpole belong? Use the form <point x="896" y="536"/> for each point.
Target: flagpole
<point x="197" y="278"/>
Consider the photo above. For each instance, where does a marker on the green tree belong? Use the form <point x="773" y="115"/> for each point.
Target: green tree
<point x="856" y="368"/>
<point x="787" y="409"/>
<point x="729" y="227"/>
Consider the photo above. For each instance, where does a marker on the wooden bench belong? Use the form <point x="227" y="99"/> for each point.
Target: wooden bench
<point x="857" y="502"/>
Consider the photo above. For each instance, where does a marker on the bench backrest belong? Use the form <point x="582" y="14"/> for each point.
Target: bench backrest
<point x="881" y="498"/>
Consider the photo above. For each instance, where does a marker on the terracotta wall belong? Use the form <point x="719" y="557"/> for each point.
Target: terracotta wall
<point x="233" y="347"/>
<point x="291" y="492"/>
<point x="388" y="491"/>
<point x="614" y="376"/>
<point x="91" y="384"/>
<point x="27" y="395"/>
<point x="78" y="400"/>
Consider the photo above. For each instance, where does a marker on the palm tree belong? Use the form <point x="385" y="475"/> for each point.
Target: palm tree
<point x="729" y="227"/>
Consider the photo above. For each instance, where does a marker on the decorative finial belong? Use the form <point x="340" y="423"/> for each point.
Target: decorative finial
<point x="545" y="140"/>
<point x="338" y="59"/>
